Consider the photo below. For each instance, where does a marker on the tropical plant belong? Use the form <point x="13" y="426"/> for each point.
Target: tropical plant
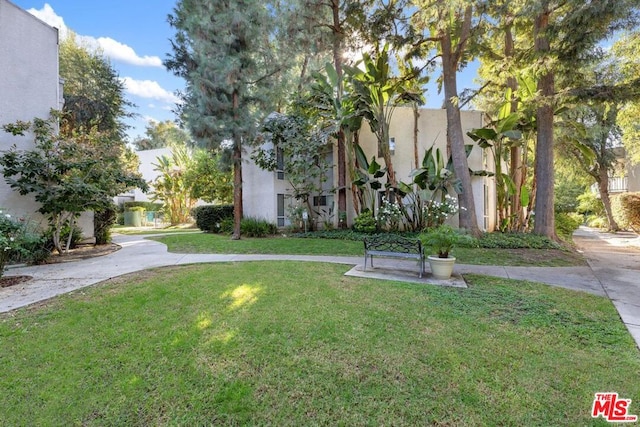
<point x="499" y="137"/>
<point x="368" y="179"/>
<point x="443" y="239"/>
<point x="375" y="94"/>
<point x="172" y="186"/>
<point x="434" y="180"/>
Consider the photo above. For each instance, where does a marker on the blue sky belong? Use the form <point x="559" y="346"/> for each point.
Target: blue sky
<point x="134" y="35"/>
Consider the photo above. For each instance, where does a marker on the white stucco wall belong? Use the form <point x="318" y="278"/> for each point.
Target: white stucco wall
<point x="147" y="160"/>
<point x="29" y="87"/>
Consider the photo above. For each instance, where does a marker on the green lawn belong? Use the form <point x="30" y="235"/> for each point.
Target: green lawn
<point x="216" y="243"/>
<point x="120" y="229"/>
<point x="269" y="343"/>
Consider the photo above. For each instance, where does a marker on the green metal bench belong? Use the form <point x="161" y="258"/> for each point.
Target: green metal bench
<point x="393" y="246"/>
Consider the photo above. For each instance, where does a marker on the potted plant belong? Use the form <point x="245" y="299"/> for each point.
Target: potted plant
<point x="441" y="240"/>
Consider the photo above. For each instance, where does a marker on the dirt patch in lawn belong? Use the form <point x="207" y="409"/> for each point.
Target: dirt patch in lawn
<point x="83" y="252"/>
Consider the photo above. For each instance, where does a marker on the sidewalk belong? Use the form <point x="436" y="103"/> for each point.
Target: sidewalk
<point x="614" y="264"/>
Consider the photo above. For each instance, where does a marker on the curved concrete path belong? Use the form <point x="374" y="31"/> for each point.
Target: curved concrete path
<point x="613" y="271"/>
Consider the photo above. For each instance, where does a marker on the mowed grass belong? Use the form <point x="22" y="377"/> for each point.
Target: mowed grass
<point x="205" y="243"/>
<point x="285" y="343"/>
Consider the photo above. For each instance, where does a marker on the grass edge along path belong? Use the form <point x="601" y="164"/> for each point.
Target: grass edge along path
<point x="269" y="343"/>
<point x="203" y="243"/>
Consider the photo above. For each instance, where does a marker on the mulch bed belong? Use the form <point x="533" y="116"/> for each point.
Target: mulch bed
<point x="76" y="254"/>
<point x="83" y="252"/>
<point x="7" y="281"/>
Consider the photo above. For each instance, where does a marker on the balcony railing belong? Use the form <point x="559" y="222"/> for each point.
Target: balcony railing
<point x="617" y="184"/>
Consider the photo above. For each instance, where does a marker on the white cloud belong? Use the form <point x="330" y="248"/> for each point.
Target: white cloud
<point x="121" y="52"/>
<point x="48" y="15"/>
<point x="110" y="48"/>
<point x="148" y="89"/>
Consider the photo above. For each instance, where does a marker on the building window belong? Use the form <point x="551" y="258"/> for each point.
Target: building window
<point x="485" y="215"/>
<point x="319" y="200"/>
<point x="279" y="163"/>
<point x="280" y="208"/>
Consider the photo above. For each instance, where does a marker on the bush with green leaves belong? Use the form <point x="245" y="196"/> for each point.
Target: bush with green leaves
<point x="20" y="242"/>
<point x="254" y="227"/>
<point x="103" y="220"/>
<point x="626" y="210"/>
<point x="209" y="218"/>
<point x="499" y="240"/>
<point x="567" y="223"/>
<point x="365" y="223"/>
<point x="147" y="206"/>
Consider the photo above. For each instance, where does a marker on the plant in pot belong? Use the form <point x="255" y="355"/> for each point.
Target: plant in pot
<point x="442" y="240"/>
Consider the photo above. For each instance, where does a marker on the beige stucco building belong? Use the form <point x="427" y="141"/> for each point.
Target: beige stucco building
<point x="267" y="194"/>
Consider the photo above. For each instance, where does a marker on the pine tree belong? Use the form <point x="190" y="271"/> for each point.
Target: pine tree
<point x="222" y="49"/>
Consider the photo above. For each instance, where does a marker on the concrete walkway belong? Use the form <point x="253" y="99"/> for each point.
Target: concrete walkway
<point x="613" y="271"/>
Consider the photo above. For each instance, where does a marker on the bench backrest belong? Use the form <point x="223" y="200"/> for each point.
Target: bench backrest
<point x="392" y="243"/>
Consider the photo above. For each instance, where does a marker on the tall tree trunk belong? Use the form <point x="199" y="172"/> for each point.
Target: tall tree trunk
<point x="603" y="186"/>
<point x="237" y="176"/>
<point x="544" y="217"/>
<point x="337" y="62"/>
<point x="455" y="136"/>
<point x="383" y="142"/>
<point x="516" y="171"/>
<point x="416" y="117"/>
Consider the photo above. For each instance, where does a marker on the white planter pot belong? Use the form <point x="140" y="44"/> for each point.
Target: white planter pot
<point x="441" y="268"/>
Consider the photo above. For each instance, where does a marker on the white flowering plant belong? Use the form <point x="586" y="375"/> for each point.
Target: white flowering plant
<point x="10" y="232"/>
<point x="389" y="215"/>
<point x="436" y="212"/>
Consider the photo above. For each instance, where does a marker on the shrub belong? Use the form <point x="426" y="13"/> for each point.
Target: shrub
<point x="102" y="222"/>
<point x="20" y="242"/>
<point x="226" y="226"/>
<point x="567" y="223"/>
<point x="209" y="217"/>
<point x="516" y="240"/>
<point x="590" y="204"/>
<point x="626" y="210"/>
<point x="146" y="206"/>
<point x="253" y="227"/>
<point x="365" y="223"/>
<point x="597" y="221"/>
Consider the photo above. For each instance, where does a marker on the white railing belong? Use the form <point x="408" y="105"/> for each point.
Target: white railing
<point x="617" y="184"/>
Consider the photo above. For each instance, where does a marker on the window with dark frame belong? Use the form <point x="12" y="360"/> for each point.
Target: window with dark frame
<point x="280" y="208"/>
<point x="279" y="163"/>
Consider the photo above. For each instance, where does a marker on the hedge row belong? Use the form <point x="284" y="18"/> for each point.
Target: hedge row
<point x="626" y="210"/>
<point x="210" y="217"/>
<point x="147" y="206"/>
